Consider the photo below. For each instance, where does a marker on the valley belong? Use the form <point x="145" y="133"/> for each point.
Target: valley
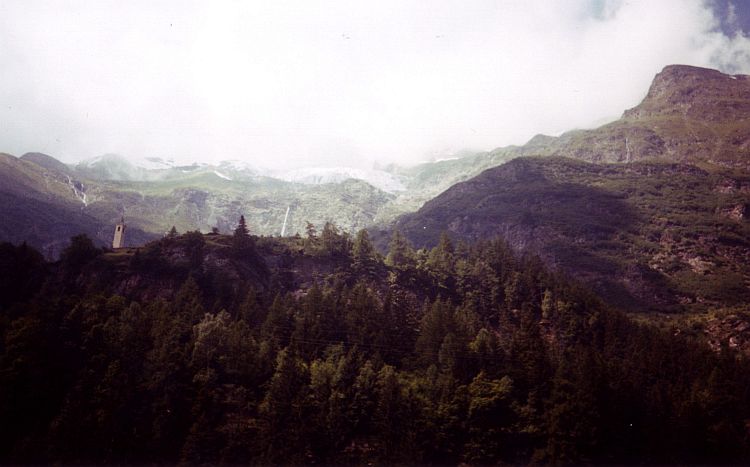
<point x="650" y="210"/>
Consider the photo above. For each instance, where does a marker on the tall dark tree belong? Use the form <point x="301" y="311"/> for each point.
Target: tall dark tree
<point x="242" y="242"/>
<point x="441" y="265"/>
<point x="400" y="252"/>
<point x="365" y="259"/>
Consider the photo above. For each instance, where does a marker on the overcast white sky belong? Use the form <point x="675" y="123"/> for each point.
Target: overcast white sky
<point x="288" y="84"/>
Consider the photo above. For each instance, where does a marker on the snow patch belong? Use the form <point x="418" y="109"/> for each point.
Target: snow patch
<point x="242" y="168"/>
<point x="154" y="163"/>
<point x="445" y="159"/>
<point x="221" y="175"/>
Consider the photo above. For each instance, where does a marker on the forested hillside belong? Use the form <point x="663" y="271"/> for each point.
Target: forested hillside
<point x="644" y="236"/>
<point x="239" y="349"/>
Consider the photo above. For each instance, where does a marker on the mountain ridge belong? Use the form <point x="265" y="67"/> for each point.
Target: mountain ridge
<point x="684" y="193"/>
<point x="689" y="114"/>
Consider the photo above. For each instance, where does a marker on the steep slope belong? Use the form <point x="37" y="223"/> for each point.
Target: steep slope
<point x="45" y="207"/>
<point x="202" y="349"/>
<point x="643" y="235"/>
<point x="659" y="221"/>
<point x="47" y="162"/>
<point x="424" y="181"/>
<point x="690" y="114"/>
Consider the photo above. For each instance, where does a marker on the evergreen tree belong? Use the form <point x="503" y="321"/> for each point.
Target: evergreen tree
<point x="364" y="257"/>
<point x="441" y="264"/>
<point x="436" y="323"/>
<point x="284" y="411"/>
<point x="490" y="420"/>
<point x="517" y="365"/>
<point x="242" y="242"/>
<point x="241" y="230"/>
<point x="334" y="243"/>
<point x="400" y="253"/>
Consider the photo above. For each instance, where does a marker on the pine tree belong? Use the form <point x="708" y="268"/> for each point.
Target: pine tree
<point x="283" y="410"/>
<point x="334" y="242"/>
<point x="364" y="257"/>
<point x="491" y="417"/>
<point x="400" y="253"/>
<point x="441" y="264"/>
<point x="241" y="230"/>
<point x="242" y="243"/>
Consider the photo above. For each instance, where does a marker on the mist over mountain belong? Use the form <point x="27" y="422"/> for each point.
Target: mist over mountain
<point x="659" y="221"/>
<point x="501" y="274"/>
<point x="690" y="114"/>
<point x="400" y="232"/>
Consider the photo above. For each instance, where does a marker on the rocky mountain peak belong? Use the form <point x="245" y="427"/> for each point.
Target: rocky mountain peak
<point x="695" y="92"/>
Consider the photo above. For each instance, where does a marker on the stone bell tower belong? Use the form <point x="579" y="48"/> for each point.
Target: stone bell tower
<point x="119" y="240"/>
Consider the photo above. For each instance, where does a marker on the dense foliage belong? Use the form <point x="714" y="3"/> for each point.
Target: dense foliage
<point x="456" y="354"/>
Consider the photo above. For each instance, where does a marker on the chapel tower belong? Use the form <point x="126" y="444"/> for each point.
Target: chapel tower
<point x="119" y="240"/>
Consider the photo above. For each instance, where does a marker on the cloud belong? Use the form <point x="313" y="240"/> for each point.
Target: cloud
<point x="732" y="15"/>
<point x="284" y="84"/>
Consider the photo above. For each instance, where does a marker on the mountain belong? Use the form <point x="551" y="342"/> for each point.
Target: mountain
<point x="250" y="349"/>
<point x="46" y="201"/>
<point x="321" y="175"/>
<point x="44" y="206"/>
<point x="651" y="210"/>
<point x="47" y="162"/>
<point x="690" y="114"/>
<point x="110" y="167"/>
<point x="154" y="194"/>
<point x="643" y="235"/>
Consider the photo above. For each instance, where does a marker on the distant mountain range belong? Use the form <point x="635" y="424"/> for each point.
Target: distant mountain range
<point x="47" y="201"/>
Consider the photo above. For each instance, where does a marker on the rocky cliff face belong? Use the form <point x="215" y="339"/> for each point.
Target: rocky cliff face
<point x="697" y="94"/>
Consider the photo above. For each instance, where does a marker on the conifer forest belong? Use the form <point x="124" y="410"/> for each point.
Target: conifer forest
<point x="318" y="349"/>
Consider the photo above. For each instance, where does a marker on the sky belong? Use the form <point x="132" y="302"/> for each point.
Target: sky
<point x="285" y="84"/>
